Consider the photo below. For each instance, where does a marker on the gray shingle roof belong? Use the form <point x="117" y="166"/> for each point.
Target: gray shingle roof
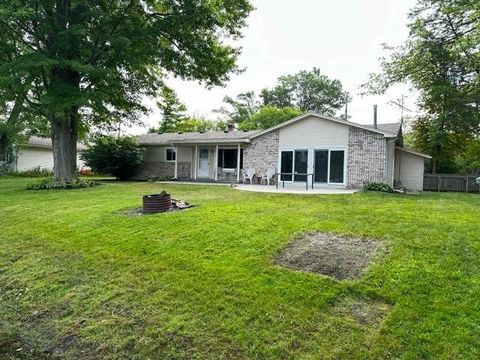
<point x="43" y="142"/>
<point x="209" y="136"/>
<point x="393" y="128"/>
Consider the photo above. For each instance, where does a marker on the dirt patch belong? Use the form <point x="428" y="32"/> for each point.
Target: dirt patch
<point x="336" y="256"/>
<point x="363" y="311"/>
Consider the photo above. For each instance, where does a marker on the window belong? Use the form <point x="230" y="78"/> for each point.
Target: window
<point x="170" y="154"/>
<point x="227" y="158"/>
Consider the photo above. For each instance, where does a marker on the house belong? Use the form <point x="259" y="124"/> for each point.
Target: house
<point x="333" y="152"/>
<point x="38" y="154"/>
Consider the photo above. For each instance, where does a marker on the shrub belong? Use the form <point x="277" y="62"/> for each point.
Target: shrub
<point x="4" y="167"/>
<point x="55" y="185"/>
<point x="379" y="187"/>
<point x="120" y="157"/>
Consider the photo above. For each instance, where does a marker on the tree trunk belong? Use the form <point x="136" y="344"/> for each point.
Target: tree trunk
<point x="64" y="142"/>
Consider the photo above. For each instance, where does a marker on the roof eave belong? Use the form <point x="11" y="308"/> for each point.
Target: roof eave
<point x="329" y="118"/>
<point x="413" y="152"/>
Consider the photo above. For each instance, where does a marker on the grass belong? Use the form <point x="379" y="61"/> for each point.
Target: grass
<point x="79" y="279"/>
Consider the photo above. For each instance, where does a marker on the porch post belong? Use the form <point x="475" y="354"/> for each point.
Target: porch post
<point x="215" y="165"/>
<point x="238" y="163"/>
<point x="195" y="162"/>
<point x="176" y="161"/>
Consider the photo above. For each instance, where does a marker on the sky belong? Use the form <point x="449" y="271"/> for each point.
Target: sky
<point x="341" y="37"/>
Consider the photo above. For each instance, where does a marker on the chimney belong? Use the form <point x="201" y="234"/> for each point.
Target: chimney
<point x="375" y="116"/>
<point x="231" y="127"/>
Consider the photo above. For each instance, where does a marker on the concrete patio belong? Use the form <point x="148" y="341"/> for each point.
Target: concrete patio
<point x="294" y="189"/>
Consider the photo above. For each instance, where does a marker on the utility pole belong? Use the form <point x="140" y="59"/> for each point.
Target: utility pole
<point x="400" y="103"/>
<point x="346" y="107"/>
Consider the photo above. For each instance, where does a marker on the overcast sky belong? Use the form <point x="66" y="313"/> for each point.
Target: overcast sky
<point x="342" y="37"/>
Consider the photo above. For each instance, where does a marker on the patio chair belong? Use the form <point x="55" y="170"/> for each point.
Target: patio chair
<point x="220" y="173"/>
<point x="268" y="176"/>
<point x="248" y="175"/>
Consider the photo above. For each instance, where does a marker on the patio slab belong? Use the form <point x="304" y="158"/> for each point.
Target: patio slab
<point x="295" y="190"/>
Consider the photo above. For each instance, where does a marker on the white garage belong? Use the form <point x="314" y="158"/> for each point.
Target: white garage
<point x="38" y="154"/>
<point x="409" y="168"/>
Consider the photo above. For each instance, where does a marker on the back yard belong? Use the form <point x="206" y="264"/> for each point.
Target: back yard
<point x="80" y="279"/>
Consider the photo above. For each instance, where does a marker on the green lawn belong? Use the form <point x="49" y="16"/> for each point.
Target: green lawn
<point x="80" y="279"/>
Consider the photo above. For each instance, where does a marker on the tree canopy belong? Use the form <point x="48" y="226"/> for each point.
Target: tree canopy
<point x="441" y="60"/>
<point x="307" y="91"/>
<point x="172" y="110"/>
<point x="89" y="62"/>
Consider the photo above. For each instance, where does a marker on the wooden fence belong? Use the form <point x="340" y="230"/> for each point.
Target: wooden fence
<point x="447" y="182"/>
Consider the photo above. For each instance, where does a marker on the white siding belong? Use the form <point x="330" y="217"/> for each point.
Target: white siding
<point x="409" y="169"/>
<point x="32" y="158"/>
<point x="390" y="162"/>
<point x="157" y="153"/>
<point x="313" y="133"/>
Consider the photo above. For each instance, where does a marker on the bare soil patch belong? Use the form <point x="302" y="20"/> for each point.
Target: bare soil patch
<point x="328" y="254"/>
<point x="366" y="312"/>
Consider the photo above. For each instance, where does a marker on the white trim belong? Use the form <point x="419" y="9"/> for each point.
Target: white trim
<point x="344" y="166"/>
<point x="176" y="162"/>
<point x="195" y="158"/>
<point x="238" y="162"/>
<point x="216" y="163"/>
<point x="323" y="117"/>
<point x="413" y="152"/>
<point x="311" y="164"/>
<point x="198" y="162"/>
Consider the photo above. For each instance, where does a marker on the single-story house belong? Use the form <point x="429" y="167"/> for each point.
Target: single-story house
<point x="38" y="154"/>
<point x="310" y="148"/>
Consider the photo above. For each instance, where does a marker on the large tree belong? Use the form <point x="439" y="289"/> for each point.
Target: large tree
<point x="172" y="110"/>
<point x="441" y="59"/>
<point x="90" y="62"/>
<point x="268" y="116"/>
<point x="307" y="91"/>
<point x="240" y="108"/>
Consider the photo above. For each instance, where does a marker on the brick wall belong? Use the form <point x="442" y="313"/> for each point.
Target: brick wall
<point x="262" y="153"/>
<point x="367" y="158"/>
<point x="163" y="169"/>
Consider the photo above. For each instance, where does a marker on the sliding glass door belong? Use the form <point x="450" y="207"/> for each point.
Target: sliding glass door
<point x="294" y="161"/>
<point x="286" y="165"/>
<point x="337" y="166"/>
<point x="329" y="166"/>
<point x="321" y="166"/>
<point x="301" y="165"/>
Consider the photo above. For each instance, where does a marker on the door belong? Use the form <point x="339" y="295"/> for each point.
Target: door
<point x="337" y="167"/>
<point x="286" y="165"/>
<point x="203" y="163"/>
<point x="321" y="166"/>
<point x="294" y="161"/>
<point x="301" y="164"/>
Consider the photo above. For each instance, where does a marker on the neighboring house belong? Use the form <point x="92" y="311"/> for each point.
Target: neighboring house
<point x="38" y="154"/>
<point x="336" y="152"/>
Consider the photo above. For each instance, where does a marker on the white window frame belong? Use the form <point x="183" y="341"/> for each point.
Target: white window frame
<point x="293" y="164"/>
<point x="311" y="164"/>
<point x="344" y="166"/>
<point x="166" y="154"/>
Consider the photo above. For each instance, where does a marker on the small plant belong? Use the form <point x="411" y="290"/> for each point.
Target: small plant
<point x="34" y="173"/>
<point x="382" y="187"/>
<point x="48" y="184"/>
